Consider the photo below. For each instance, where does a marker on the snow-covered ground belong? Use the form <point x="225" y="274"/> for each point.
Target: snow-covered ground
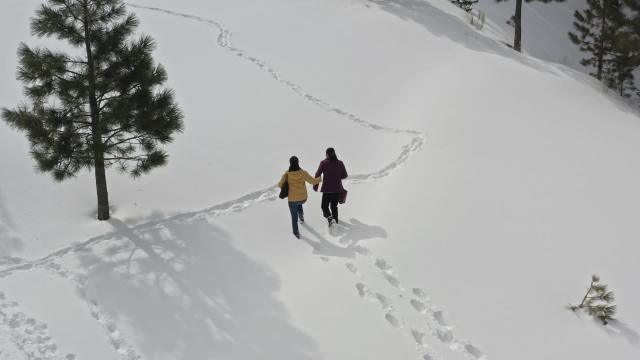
<point x="486" y="188"/>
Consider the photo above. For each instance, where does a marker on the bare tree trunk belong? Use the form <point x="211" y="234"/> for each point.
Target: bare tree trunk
<point x="96" y="128"/>
<point x="517" y="22"/>
<point x="603" y="28"/>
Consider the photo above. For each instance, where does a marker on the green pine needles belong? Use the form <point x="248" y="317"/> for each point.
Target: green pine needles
<point x="598" y="301"/>
<point x="100" y="106"/>
<point x="607" y="31"/>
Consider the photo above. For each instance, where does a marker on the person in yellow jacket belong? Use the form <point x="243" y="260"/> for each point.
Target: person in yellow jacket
<point x="296" y="177"/>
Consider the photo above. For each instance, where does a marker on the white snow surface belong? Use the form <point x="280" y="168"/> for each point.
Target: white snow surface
<point x="486" y="187"/>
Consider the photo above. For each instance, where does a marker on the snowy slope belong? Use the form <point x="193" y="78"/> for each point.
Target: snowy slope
<point x="484" y="188"/>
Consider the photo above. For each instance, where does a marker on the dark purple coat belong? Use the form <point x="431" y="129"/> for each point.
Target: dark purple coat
<point x="332" y="174"/>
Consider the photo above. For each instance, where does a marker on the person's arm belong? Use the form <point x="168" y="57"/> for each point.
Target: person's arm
<point x="318" y="173"/>
<point x="311" y="180"/>
<point x="282" y="180"/>
<point x="344" y="172"/>
<point x="320" y="169"/>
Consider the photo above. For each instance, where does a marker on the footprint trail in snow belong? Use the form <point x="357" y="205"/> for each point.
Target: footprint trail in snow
<point x="433" y="326"/>
<point x="32" y="336"/>
<point x="242" y="203"/>
<point x="117" y="341"/>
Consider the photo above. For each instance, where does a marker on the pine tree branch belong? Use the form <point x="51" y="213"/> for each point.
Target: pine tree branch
<point x="82" y="122"/>
<point x="109" y="146"/>
<point x="77" y="62"/>
<point x="137" y="158"/>
<point x="584" y="299"/>
<point x="78" y="128"/>
<point x="120" y="95"/>
<point x="73" y="14"/>
<point x="73" y="72"/>
<point x="80" y="112"/>
<point x="115" y="132"/>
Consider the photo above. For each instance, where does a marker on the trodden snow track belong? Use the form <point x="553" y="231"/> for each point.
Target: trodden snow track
<point x="435" y="324"/>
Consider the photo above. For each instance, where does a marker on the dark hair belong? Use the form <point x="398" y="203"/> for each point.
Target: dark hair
<point x="331" y="154"/>
<point x="294" y="164"/>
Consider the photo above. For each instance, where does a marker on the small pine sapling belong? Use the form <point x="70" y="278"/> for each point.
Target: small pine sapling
<point x="597" y="302"/>
<point x="477" y="19"/>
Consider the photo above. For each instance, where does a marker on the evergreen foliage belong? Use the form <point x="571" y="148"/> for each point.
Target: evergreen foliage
<point x="516" y="21"/>
<point x="633" y="9"/>
<point x="598" y="301"/>
<point x="618" y="72"/>
<point x="633" y="31"/>
<point x="607" y="30"/>
<point x="99" y="107"/>
<point x="596" y="30"/>
<point x="466" y="5"/>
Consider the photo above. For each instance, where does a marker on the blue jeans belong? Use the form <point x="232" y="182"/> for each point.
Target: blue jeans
<point x="295" y="207"/>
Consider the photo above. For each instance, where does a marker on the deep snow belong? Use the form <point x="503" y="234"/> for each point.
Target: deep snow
<point x="489" y="185"/>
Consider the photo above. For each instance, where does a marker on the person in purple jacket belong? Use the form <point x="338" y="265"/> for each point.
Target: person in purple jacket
<point x="333" y="172"/>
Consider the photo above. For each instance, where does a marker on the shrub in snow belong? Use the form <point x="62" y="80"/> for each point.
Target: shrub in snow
<point x="477" y="19"/>
<point x="598" y="301"/>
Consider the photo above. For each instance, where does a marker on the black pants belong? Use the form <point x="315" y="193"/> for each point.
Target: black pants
<point x="330" y="200"/>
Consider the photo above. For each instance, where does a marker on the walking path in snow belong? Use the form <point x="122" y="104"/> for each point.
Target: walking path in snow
<point x="434" y="322"/>
<point x="30" y="336"/>
<point x="33" y="340"/>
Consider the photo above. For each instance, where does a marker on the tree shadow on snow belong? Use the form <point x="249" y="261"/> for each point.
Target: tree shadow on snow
<point x="617" y="328"/>
<point x="9" y="240"/>
<point x="188" y="293"/>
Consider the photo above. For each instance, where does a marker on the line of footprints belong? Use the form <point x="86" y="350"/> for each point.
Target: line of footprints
<point x="435" y="324"/>
<point x="32" y="338"/>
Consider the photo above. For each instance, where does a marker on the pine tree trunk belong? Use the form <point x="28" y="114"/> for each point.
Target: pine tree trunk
<point x="96" y="130"/>
<point x="603" y="28"/>
<point x="517" y="20"/>
<point x="620" y="81"/>
<point x="101" y="188"/>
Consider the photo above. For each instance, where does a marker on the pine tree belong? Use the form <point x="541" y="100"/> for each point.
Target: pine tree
<point x="598" y="301"/>
<point x="596" y="30"/>
<point x="516" y="21"/>
<point x="466" y="5"/>
<point x="633" y="9"/>
<point x="633" y="31"/>
<point x="99" y="107"/>
<point x="618" y="72"/>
